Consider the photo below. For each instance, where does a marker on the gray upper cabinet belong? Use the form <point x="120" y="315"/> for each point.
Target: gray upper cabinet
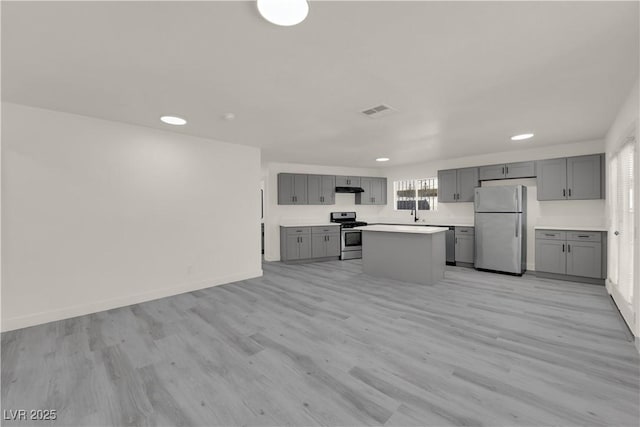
<point x="321" y="189"/>
<point x="375" y="191"/>
<point x="508" y="171"/>
<point x="457" y="185"/>
<point x="584" y="177"/>
<point x="467" y="182"/>
<point x="572" y="178"/>
<point x="447" y="186"/>
<point x="347" y="181"/>
<point x="491" y="172"/>
<point x="292" y="189"/>
<point x="520" y="170"/>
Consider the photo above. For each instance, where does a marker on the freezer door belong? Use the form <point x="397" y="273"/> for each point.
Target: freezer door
<point x="499" y="242"/>
<point x="507" y="198"/>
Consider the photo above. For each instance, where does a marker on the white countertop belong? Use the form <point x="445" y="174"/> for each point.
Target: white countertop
<point x="410" y="229"/>
<point x="426" y="223"/>
<point x="570" y="228"/>
<point x="312" y="224"/>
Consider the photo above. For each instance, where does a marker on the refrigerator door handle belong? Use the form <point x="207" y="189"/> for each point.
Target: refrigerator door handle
<point x="517" y="225"/>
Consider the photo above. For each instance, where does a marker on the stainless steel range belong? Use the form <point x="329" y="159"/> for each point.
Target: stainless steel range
<point x="350" y="240"/>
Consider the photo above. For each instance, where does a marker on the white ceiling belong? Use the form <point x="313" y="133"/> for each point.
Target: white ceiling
<point x="463" y="76"/>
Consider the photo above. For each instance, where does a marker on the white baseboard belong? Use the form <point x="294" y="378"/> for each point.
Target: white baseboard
<point x="94" y="307"/>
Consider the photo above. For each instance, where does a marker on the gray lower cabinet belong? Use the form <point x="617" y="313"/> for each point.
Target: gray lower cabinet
<point x="309" y="243"/>
<point x="571" y="253"/>
<point x="572" y="178"/>
<point x="292" y="189"/>
<point x="347" y="181"/>
<point x="321" y="189"/>
<point x="465" y="244"/>
<point x="375" y="191"/>
<point x="508" y="171"/>
<point x="457" y="185"/>
<point x="550" y="256"/>
<point x="325" y="245"/>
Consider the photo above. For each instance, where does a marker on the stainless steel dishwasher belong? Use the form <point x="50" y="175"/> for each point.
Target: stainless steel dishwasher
<point x="450" y="245"/>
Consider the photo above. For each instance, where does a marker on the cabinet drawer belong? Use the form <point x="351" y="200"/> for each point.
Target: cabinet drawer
<point x="551" y="234"/>
<point x="584" y="236"/>
<point x="298" y="230"/>
<point x="325" y="230"/>
<point x="465" y="231"/>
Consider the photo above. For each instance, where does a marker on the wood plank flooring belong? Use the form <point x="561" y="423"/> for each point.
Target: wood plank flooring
<point x="323" y="344"/>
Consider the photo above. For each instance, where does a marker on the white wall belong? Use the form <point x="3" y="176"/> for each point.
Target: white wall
<point x="560" y="213"/>
<point x="98" y="214"/>
<point x="628" y="121"/>
<point x="277" y="214"/>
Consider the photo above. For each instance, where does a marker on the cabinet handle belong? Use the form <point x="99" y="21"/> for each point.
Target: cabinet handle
<point x="503" y="170"/>
<point x="568" y="247"/>
<point x="563" y="247"/>
<point x="583" y="235"/>
<point x="564" y="193"/>
<point x="506" y="170"/>
<point x="550" y="235"/>
<point x="456" y="240"/>
<point x="569" y="192"/>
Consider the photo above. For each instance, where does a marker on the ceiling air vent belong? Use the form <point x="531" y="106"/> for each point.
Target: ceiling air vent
<point x="379" y="111"/>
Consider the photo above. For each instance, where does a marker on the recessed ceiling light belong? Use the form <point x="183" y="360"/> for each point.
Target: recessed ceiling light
<point x="283" y="12"/>
<point x="173" y="120"/>
<point x="229" y="116"/>
<point x="382" y="159"/>
<point x="522" y="136"/>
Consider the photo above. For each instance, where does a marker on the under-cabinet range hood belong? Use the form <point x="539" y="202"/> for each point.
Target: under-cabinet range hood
<point x="349" y="190"/>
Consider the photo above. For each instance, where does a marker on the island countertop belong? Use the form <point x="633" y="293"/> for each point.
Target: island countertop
<point x="410" y="229"/>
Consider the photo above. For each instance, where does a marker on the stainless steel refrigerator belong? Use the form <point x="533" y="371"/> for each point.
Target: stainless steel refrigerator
<point x="501" y="228"/>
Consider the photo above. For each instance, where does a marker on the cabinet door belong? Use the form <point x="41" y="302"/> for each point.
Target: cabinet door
<point x="293" y="250"/>
<point x="520" y="170"/>
<point x="333" y="244"/>
<point x="300" y="189"/>
<point x="584" y="177"/>
<point x="285" y="189"/>
<point x="447" y="186"/>
<point x="467" y="182"/>
<point x="381" y="196"/>
<point x="347" y="181"/>
<point x="318" y="245"/>
<point x="328" y="193"/>
<point x="551" y="256"/>
<point x="552" y="179"/>
<point x="584" y="259"/>
<point x="304" y="246"/>
<point x="465" y="249"/>
<point x="376" y="191"/>
<point x="314" y="189"/>
<point x="365" y="198"/>
<point x="491" y="172"/>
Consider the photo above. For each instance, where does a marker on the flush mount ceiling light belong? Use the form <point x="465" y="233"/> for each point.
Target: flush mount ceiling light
<point x="283" y="12"/>
<point x="522" y="137"/>
<point x="173" y="120"/>
<point x="382" y="159"/>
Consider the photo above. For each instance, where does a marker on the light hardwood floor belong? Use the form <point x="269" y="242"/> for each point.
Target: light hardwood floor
<point x="323" y="344"/>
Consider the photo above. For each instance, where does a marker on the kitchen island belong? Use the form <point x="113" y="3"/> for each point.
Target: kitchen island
<point x="404" y="252"/>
